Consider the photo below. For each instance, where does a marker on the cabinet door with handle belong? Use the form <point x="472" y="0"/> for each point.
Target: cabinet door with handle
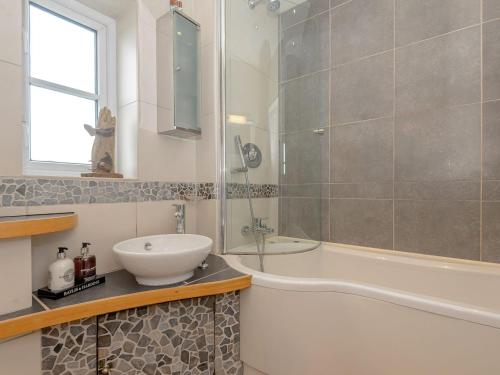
<point x="158" y="339"/>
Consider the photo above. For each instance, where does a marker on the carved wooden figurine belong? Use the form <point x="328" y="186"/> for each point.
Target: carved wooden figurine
<point x="103" y="150"/>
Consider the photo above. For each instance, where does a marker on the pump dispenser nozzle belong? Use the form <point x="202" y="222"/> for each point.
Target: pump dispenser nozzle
<point x="62" y="252"/>
<point x="85" y="248"/>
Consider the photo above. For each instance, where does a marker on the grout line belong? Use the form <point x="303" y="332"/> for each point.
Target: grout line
<point x="359" y="59"/>
<point x="438" y="36"/>
<point x="204" y="277"/>
<point x="481" y="140"/>
<point x="362" y="58"/>
<point x="377" y="118"/>
<point x="330" y="132"/>
<point x="395" y="49"/>
<point x="284" y="82"/>
<point x="394" y="135"/>
<point x="35" y="297"/>
<point x="332" y="126"/>
<point x="361" y="121"/>
<point x="488" y="21"/>
<point x="490" y="101"/>
<point x="281" y="30"/>
<point x="340" y="5"/>
<point x="304" y="20"/>
<point x="391" y="199"/>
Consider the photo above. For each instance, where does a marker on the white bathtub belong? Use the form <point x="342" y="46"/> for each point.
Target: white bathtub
<point x="350" y="310"/>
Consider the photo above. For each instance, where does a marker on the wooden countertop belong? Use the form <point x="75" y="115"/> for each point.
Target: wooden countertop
<point x="121" y="292"/>
<point x="32" y="225"/>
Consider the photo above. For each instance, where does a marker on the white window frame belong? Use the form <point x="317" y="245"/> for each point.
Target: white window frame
<point x="106" y="77"/>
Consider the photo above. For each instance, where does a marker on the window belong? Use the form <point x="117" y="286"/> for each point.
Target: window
<point x="69" y="60"/>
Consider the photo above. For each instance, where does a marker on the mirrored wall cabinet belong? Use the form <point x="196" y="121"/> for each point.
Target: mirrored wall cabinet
<point x="178" y="73"/>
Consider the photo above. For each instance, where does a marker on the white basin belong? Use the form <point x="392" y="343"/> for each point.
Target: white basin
<point x="164" y="259"/>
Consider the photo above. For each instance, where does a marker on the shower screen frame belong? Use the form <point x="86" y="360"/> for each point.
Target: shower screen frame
<point x="222" y="189"/>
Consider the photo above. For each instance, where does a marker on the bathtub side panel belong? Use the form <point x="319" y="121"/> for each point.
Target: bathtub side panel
<point x="288" y="332"/>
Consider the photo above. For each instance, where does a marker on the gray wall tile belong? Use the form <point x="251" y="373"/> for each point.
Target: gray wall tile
<point x="442" y="144"/>
<point x="491" y="140"/>
<point x="491" y="60"/>
<point x="437" y="130"/>
<point x="362" y="28"/>
<point x="491" y="232"/>
<point x="363" y="89"/>
<point x="305" y="48"/>
<point x="418" y="20"/>
<point x="307" y="157"/>
<point x="362" y="222"/>
<point x="435" y="190"/>
<point x="439" y="72"/>
<point x="305" y="102"/>
<point x="445" y="228"/>
<point x="491" y="190"/>
<point x="301" y="12"/>
<point x="367" y="190"/>
<point x="491" y="9"/>
<point x="362" y="152"/>
<point x="306" y="190"/>
<point x="303" y="217"/>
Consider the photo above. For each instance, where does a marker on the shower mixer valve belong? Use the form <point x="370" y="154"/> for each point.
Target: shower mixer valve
<point x="258" y="226"/>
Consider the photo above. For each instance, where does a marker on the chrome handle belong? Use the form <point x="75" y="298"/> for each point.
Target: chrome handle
<point x="258" y="221"/>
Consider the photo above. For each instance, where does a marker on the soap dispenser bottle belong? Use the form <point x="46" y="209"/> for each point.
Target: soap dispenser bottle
<point x="85" y="265"/>
<point x="61" y="272"/>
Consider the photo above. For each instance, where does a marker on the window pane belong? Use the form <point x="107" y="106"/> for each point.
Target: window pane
<point x="57" y="132"/>
<point x="61" y="51"/>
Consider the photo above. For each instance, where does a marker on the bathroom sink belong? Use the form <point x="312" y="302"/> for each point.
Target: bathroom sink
<point x="163" y="259"/>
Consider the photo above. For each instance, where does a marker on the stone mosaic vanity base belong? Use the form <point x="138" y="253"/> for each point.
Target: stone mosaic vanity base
<point x="70" y="348"/>
<point x="170" y="338"/>
<point x="199" y="336"/>
<point x="227" y="334"/>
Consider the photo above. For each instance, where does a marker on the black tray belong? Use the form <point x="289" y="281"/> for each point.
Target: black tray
<point x="46" y="293"/>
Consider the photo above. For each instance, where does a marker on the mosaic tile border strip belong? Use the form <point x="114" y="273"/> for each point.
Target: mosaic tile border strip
<point x="239" y="191"/>
<point x="34" y="191"/>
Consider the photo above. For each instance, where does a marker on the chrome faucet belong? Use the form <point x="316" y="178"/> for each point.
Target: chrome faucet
<point x="180" y="215"/>
<point x="258" y="226"/>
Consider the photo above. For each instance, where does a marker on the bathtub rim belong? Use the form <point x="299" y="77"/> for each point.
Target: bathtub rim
<point x="420" y="302"/>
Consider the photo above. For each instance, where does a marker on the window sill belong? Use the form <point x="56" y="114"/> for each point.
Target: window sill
<point x="45" y="169"/>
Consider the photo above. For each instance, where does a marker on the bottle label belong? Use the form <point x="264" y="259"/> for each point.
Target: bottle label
<point x="88" y="274"/>
<point x="69" y="276"/>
